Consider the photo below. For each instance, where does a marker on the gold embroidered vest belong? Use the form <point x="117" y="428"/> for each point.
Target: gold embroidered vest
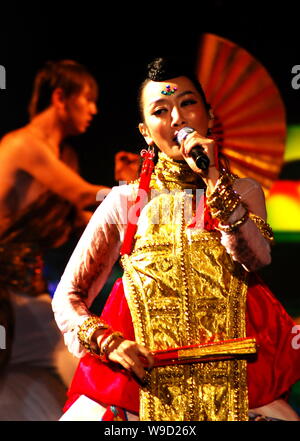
<point x="183" y="288"/>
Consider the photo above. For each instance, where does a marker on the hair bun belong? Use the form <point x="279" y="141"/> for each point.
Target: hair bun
<point x="161" y="69"/>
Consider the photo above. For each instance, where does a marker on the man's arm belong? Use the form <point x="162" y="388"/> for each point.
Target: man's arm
<point x="40" y="162"/>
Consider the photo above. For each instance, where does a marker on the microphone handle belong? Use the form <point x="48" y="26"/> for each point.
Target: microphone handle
<point x="200" y="158"/>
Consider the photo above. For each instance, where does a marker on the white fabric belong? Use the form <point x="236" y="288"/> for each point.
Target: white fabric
<point x="85" y="409"/>
<point x="34" y="385"/>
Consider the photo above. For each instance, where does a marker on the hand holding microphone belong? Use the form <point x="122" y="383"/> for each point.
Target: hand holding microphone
<point x="201" y="159"/>
<point x="197" y="158"/>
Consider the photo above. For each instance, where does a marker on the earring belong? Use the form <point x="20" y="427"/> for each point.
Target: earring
<point x="149" y="152"/>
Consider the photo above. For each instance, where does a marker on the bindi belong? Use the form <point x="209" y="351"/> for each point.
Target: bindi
<point x="168" y="90"/>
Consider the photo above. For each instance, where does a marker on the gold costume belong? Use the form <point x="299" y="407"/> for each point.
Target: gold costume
<point x="183" y="288"/>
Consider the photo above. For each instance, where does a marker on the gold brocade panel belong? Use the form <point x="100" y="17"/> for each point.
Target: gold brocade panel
<point x="183" y="288"/>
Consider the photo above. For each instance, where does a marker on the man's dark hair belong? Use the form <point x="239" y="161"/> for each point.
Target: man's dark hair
<point x="68" y="75"/>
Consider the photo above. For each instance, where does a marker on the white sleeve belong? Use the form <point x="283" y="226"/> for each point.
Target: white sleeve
<point x="89" y="266"/>
<point x="247" y="245"/>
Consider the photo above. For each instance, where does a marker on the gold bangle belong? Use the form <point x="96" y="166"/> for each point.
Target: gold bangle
<point x="224" y="212"/>
<point x="224" y="203"/>
<point x="263" y="226"/>
<point x="107" y="341"/>
<point x="87" y="329"/>
<point x="235" y="225"/>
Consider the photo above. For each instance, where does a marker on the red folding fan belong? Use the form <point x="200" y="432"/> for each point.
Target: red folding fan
<point x="250" y="123"/>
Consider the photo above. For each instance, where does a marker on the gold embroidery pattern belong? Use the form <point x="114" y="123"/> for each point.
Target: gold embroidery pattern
<point x="185" y="285"/>
<point x="174" y="175"/>
<point x="183" y="288"/>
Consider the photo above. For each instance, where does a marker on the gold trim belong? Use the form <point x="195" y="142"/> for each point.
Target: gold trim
<point x="229" y="348"/>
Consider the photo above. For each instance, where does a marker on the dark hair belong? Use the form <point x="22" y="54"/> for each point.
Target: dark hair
<point x="68" y="75"/>
<point x="164" y="69"/>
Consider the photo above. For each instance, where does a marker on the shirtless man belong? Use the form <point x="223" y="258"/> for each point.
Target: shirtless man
<point x="42" y="198"/>
<point x="63" y="104"/>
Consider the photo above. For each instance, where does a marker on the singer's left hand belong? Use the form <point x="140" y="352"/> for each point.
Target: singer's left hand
<point x="194" y="139"/>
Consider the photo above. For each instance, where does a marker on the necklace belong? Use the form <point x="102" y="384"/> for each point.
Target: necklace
<point x="173" y="174"/>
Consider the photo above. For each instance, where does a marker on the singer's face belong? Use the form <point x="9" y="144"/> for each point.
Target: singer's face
<point x="79" y="111"/>
<point x="165" y="115"/>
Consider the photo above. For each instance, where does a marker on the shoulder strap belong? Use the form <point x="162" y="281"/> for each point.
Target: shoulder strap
<point x="145" y="176"/>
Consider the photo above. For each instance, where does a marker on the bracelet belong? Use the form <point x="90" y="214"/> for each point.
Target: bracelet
<point x="225" y="205"/>
<point x="104" y="336"/>
<point x="224" y="199"/>
<point x="103" y="356"/>
<point x="87" y="329"/>
<point x="108" y="340"/>
<point x="235" y="225"/>
<point x="263" y="226"/>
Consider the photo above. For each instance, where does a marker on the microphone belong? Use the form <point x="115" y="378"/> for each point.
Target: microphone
<point x="200" y="158"/>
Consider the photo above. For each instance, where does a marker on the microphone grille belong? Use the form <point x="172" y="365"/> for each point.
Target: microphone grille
<point x="183" y="133"/>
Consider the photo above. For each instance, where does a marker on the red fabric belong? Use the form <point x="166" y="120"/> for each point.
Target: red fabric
<point x="275" y="370"/>
<point x="203" y="214"/>
<point x="97" y="380"/>
<point x="145" y="177"/>
<point x="277" y="366"/>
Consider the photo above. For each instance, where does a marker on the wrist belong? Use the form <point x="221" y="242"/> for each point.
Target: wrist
<point x="211" y="179"/>
<point x="223" y="200"/>
<point x="100" y="336"/>
<point x="108" y="342"/>
<point x="233" y="226"/>
<point x="87" y="331"/>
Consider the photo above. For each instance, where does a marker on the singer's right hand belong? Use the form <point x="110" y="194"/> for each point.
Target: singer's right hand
<point x="192" y="140"/>
<point x="127" y="353"/>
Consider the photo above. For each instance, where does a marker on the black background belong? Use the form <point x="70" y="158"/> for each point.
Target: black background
<point x="115" y="41"/>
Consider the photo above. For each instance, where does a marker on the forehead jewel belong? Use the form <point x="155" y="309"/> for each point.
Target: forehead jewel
<point x="168" y="90"/>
